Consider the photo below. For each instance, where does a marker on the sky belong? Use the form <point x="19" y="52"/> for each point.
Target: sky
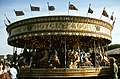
<point x="61" y="8"/>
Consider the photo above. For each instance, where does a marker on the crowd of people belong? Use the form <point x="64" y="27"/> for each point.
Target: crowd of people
<point x="9" y="71"/>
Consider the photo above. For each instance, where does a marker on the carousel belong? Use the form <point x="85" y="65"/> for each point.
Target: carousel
<point x="60" y="46"/>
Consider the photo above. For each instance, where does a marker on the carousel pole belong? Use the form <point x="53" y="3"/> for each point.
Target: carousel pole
<point x="13" y="50"/>
<point x="103" y="49"/>
<point x="94" y="54"/>
<point x="65" y="53"/>
<point x="107" y="47"/>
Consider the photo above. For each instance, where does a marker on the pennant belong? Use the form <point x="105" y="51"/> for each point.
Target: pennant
<point x="19" y="13"/>
<point x="72" y="7"/>
<point x="112" y="16"/>
<point x="90" y="10"/>
<point x="114" y="22"/>
<point x="7" y="18"/>
<point x="34" y="8"/>
<point x="104" y="13"/>
<point x="50" y="8"/>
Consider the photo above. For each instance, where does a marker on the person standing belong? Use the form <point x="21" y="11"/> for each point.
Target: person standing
<point x="113" y="68"/>
<point x="13" y="72"/>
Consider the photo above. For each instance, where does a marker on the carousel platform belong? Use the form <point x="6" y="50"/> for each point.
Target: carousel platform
<point x="83" y="72"/>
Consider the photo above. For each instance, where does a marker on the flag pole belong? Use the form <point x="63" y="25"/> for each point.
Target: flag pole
<point x="111" y="16"/>
<point x="15" y="13"/>
<point x="68" y="8"/>
<point x="100" y="16"/>
<point x="87" y="14"/>
<point x="5" y="23"/>
<point x="113" y="22"/>
<point x="7" y="19"/>
<point x="88" y="9"/>
<point x="48" y="8"/>
<point x="31" y="11"/>
<point x="102" y="12"/>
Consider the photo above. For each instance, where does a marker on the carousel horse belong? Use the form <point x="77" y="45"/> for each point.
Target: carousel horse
<point x="23" y="58"/>
<point x="74" y="59"/>
<point x="71" y="56"/>
<point x="54" y="60"/>
<point x="87" y="62"/>
<point x="104" y="59"/>
<point x="77" y="57"/>
<point x="45" y="56"/>
<point x="22" y="61"/>
<point x="73" y="65"/>
<point x="43" y="62"/>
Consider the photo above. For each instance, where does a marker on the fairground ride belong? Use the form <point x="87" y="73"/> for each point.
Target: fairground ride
<point x="58" y="36"/>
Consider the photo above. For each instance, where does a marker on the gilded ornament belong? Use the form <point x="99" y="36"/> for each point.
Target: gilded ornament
<point x="97" y="28"/>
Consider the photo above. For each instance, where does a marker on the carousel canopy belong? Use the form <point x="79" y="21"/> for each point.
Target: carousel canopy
<point x="41" y="31"/>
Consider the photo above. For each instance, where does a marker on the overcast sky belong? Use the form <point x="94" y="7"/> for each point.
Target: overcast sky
<point x="61" y="8"/>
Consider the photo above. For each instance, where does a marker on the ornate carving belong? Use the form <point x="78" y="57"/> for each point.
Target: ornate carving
<point x="98" y="28"/>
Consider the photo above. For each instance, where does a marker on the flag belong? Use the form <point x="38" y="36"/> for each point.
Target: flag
<point x="34" y="8"/>
<point x="114" y="22"/>
<point x="7" y="18"/>
<point x="5" y="23"/>
<point x="50" y="8"/>
<point x="19" y="13"/>
<point x="111" y="16"/>
<point x="90" y="10"/>
<point x="72" y="7"/>
<point x="104" y="13"/>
